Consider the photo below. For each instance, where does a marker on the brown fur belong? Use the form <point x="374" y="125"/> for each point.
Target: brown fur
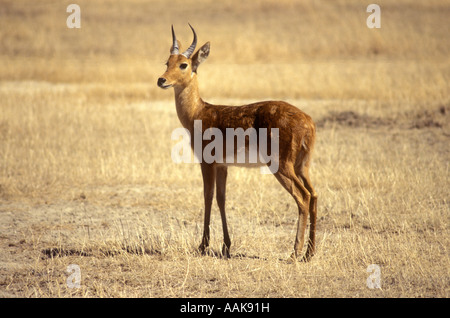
<point x="296" y="142"/>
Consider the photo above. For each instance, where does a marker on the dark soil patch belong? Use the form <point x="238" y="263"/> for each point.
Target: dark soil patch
<point x="433" y="118"/>
<point x="353" y="119"/>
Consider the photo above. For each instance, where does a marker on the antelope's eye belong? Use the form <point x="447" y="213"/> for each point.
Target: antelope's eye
<point x="183" y="66"/>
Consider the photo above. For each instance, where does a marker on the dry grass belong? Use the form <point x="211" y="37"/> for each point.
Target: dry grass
<point x="86" y="176"/>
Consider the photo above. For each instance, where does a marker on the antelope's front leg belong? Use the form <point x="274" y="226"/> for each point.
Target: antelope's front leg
<point x="221" y="181"/>
<point x="209" y="176"/>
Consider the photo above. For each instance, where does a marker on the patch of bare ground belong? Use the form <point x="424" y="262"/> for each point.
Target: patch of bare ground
<point x="434" y="118"/>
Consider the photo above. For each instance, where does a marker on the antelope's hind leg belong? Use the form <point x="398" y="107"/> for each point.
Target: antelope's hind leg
<point x="289" y="180"/>
<point x="302" y="171"/>
<point x="312" y="216"/>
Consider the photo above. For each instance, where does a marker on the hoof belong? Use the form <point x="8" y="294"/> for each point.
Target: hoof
<point x="225" y="252"/>
<point x="307" y="256"/>
<point x="202" y="249"/>
<point x="292" y="259"/>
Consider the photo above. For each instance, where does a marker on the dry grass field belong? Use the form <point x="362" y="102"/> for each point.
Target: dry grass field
<point x="86" y="175"/>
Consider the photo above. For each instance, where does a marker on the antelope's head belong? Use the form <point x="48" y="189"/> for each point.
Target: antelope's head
<point x="181" y="68"/>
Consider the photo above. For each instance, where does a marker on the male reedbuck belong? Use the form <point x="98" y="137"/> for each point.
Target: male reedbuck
<point x="296" y="140"/>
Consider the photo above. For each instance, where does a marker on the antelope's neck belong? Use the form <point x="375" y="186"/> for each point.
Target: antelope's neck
<point x="188" y="103"/>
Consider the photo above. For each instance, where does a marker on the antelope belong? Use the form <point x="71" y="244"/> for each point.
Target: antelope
<point x="296" y="141"/>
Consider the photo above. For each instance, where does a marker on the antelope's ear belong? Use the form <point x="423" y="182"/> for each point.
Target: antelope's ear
<point x="200" y="56"/>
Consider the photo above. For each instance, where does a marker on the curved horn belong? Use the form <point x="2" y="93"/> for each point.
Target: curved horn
<point x="191" y="49"/>
<point x="175" y="43"/>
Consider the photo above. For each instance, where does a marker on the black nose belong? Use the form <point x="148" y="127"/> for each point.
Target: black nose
<point x="161" y="81"/>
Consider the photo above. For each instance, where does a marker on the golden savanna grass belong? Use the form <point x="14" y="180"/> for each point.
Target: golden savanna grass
<point x="86" y="175"/>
